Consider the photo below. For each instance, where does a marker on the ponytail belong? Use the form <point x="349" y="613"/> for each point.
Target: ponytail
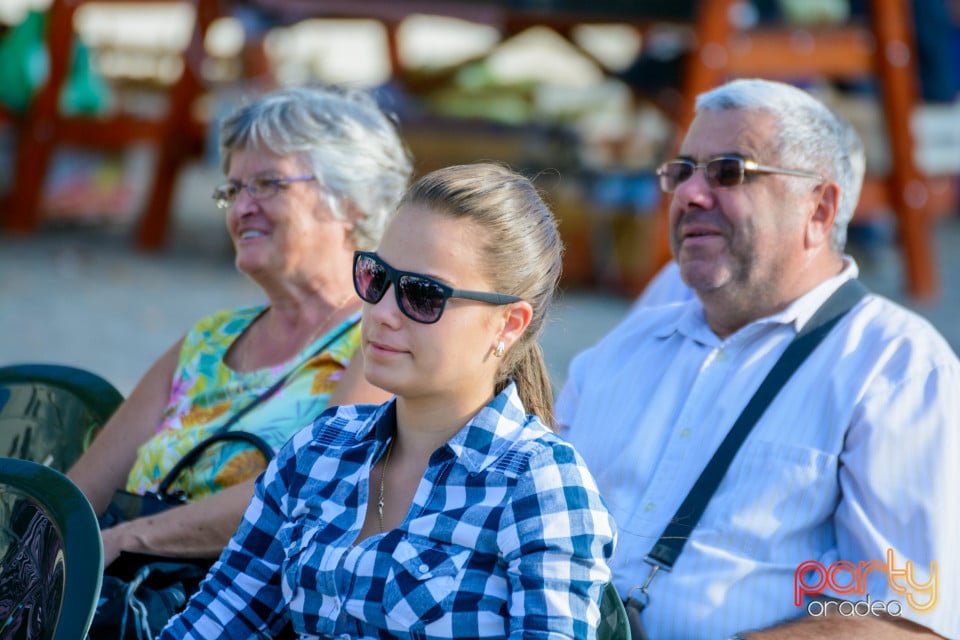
<point x="529" y="373"/>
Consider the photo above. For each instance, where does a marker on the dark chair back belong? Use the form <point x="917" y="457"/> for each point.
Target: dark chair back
<point x="51" y="554"/>
<point x="50" y="413"/>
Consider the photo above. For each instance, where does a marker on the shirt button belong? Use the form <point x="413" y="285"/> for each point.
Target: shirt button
<point x="684" y="433"/>
<point x="423" y="568"/>
<point x="650" y="507"/>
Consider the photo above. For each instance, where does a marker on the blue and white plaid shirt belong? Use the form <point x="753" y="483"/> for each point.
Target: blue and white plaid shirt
<point x="507" y="536"/>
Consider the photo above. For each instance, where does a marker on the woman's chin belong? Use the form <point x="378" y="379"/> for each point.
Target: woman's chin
<point x="249" y="263"/>
<point x="387" y="378"/>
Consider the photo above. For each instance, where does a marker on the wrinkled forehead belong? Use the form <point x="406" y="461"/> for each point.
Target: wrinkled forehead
<point x="750" y="133"/>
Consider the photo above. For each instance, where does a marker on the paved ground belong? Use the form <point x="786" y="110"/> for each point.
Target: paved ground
<point x="83" y="296"/>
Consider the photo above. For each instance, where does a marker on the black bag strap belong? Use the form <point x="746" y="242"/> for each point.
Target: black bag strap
<point x="665" y="552"/>
<point x="194" y="454"/>
<point x="224" y="433"/>
<point x="283" y="379"/>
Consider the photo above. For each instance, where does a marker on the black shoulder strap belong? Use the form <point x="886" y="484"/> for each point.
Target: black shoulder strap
<point x="194" y="454"/>
<point x="665" y="551"/>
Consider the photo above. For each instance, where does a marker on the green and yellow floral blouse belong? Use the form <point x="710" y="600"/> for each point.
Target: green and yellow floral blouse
<point x="206" y="392"/>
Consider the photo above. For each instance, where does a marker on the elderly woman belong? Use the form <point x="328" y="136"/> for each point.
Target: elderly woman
<point x="312" y="176"/>
<point x="451" y="511"/>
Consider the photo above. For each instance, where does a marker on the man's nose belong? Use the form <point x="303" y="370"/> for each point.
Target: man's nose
<point x="694" y="191"/>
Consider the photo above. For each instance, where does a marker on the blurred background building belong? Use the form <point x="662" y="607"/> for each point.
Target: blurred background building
<point x="116" y="161"/>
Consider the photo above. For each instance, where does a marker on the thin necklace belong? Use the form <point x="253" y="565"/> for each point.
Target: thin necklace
<point x="383" y="472"/>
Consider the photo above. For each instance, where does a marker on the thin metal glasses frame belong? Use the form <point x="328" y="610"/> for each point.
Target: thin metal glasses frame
<point x="669" y="183"/>
<point x="257" y="188"/>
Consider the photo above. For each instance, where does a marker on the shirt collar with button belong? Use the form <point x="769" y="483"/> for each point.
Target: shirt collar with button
<point x="691" y="323"/>
<point x="481" y="442"/>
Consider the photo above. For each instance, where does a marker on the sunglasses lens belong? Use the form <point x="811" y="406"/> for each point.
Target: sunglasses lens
<point x="725" y="172"/>
<point x="369" y="279"/>
<point x="422" y="299"/>
<point x="673" y="173"/>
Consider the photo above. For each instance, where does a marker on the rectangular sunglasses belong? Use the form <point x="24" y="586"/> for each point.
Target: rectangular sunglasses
<point x="419" y="297"/>
<point x="722" y="171"/>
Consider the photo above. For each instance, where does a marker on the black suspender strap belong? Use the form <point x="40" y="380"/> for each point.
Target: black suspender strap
<point x="665" y="552"/>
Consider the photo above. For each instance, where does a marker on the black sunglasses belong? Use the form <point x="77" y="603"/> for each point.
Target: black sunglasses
<point x="722" y="171"/>
<point x="420" y="298"/>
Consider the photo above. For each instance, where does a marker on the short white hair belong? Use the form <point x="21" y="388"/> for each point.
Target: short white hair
<point x="809" y="137"/>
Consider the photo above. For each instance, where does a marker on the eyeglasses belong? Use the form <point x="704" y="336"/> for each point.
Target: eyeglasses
<point x="419" y="297"/>
<point x="258" y="188"/>
<point x="722" y="171"/>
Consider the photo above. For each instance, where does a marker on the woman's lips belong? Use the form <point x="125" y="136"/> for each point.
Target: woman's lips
<point x="251" y="234"/>
<point x="380" y="347"/>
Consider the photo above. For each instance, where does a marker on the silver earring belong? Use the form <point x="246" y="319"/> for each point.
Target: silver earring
<point x="499" y="350"/>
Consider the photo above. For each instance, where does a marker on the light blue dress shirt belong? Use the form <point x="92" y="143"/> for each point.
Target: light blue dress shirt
<point x="857" y="458"/>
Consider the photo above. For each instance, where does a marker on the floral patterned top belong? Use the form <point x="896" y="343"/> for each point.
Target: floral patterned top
<point x="205" y="393"/>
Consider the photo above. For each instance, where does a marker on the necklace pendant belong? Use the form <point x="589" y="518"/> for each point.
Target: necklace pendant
<point x="383" y="472"/>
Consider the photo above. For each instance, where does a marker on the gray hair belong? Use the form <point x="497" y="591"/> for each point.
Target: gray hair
<point x="809" y="138"/>
<point x="849" y="196"/>
<point x="351" y="146"/>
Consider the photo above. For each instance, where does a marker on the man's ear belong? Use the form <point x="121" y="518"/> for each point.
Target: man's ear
<point x="827" y="199"/>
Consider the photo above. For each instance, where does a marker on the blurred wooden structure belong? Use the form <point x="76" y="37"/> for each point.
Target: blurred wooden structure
<point x="882" y="48"/>
<point x="176" y="135"/>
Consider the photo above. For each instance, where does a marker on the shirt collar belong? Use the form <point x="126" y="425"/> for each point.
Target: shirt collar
<point x="799" y="312"/>
<point x="690" y="321"/>
<point x="383" y="423"/>
<point x="484" y="439"/>
<point x="491" y="432"/>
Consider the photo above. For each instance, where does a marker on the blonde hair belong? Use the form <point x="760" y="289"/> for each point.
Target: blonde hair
<point x="521" y="255"/>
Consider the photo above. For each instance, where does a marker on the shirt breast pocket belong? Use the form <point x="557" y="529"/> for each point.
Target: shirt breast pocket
<point x="772" y="486"/>
<point x="422" y="581"/>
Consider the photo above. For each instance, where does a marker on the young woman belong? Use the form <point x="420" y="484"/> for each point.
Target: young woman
<point x="452" y="510"/>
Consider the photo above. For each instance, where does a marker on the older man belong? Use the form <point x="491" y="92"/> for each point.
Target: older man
<point x="836" y="516"/>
